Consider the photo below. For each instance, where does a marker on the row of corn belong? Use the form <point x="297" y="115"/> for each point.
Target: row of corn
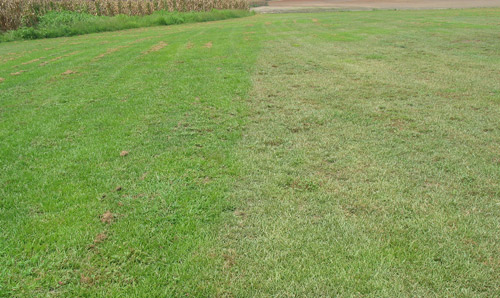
<point x="15" y="13"/>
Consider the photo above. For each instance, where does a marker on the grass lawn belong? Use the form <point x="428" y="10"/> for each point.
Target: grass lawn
<point x="293" y="155"/>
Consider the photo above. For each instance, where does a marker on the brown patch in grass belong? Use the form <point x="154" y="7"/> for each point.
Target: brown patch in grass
<point x="100" y="238"/>
<point x="7" y="60"/>
<point x="208" y="45"/>
<point x="469" y="242"/>
<point x="68" y="72"/>
<point x="397" y="123"/>
<point x="303" y="185"/>
<point x="140" y="40"/>
<point x="118" y="188"/>
<point x="124" y="153"/>
<point x="58" y="58"/>
<point x="17" y="73"/>
<point x="107" y="217"/>
<point x="229" y="258"/>
<point x="109" y="51"/>
<point x="13" y="56"/>
<point x="143" y="176"/>
<point x="189" y="45"/>
<point x="2" y="79"/>
<point x="315" y="20"/>
<point x="274" y="142"/>
<point x="203" y="181"/>
<point x="32" y="61"/>
<point x="156" y="47"/>
<point x="239" y="213"/>
<point x="358" y="209"/>
<point x="300" y="128"/>
<point x="432" y="184"/>
<point x="85" y="280"/>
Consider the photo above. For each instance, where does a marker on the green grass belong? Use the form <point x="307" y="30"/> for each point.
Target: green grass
<point x="69" y="23"/>
<point x="304" y="155"/>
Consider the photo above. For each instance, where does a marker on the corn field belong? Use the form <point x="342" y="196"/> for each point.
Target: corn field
<point x="15" y="13"/>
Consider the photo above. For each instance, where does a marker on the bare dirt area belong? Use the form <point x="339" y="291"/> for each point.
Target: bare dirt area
<point x="279" y="6"/>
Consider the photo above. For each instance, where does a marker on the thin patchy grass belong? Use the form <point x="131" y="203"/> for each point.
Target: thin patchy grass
<point x="370" y="163"/>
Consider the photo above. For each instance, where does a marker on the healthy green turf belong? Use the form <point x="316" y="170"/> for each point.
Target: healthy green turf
<point x="295" y="155"/>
